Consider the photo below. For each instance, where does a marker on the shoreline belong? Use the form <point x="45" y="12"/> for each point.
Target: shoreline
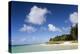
<point x="64" y="44"/>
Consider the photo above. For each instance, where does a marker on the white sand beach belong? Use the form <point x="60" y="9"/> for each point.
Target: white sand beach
<point x="65" y="43"/>
<point x="45" y="47"/>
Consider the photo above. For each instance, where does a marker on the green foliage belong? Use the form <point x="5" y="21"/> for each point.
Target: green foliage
<point x="74" y="32"/>
<point x="67" y="37"/>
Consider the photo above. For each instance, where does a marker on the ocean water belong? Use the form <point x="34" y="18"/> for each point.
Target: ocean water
<point x="39" y="47"/>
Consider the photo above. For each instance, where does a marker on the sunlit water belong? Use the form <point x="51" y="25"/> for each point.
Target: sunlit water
<point x="38" y="47"/>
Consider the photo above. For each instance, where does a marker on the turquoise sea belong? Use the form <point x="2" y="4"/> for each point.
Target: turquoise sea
<point x="39" y="47"/>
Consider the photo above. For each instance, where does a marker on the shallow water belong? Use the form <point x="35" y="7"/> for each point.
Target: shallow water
<point x="38" y="47"/>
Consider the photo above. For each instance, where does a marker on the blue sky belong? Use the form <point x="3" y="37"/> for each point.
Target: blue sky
<point x="37" y="22"/>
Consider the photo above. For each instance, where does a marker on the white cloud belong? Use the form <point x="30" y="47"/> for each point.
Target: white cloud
<point x="74" y="18"/>
<point x="53" y="28"/>
<point x="37" y="15"/>
<point x="27" y="28"/>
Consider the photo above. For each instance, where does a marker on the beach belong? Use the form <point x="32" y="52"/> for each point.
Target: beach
<point x="44" y="47"/>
